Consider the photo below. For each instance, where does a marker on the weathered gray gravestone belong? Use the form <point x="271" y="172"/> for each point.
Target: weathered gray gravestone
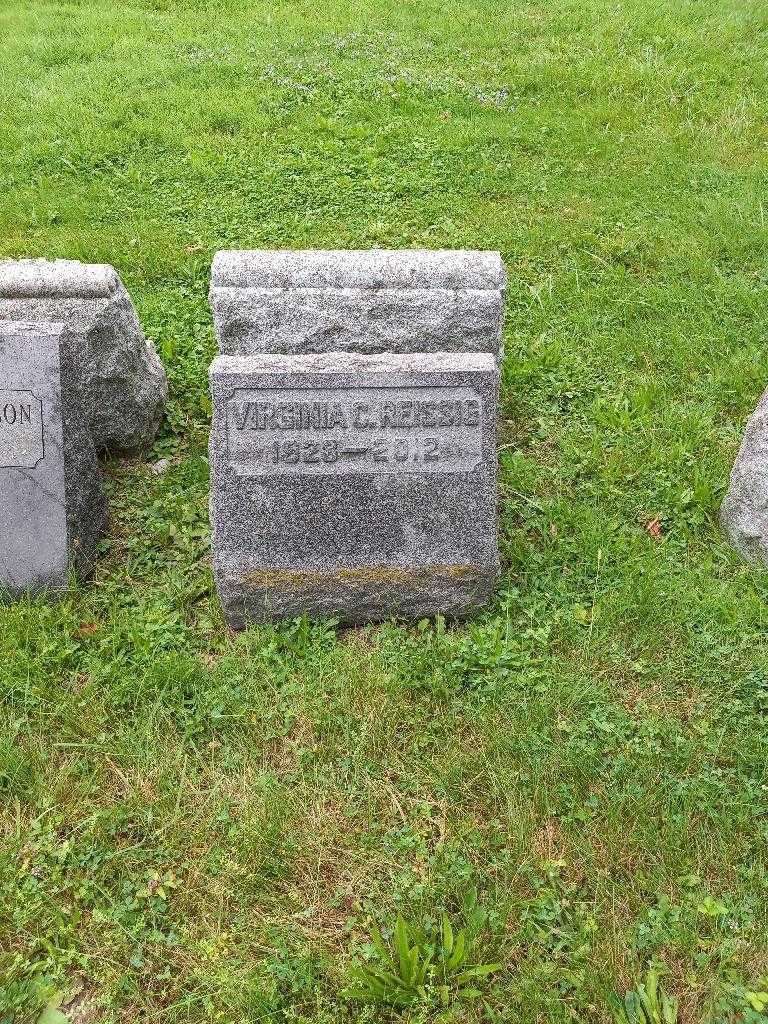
<point x="76" y="376"/>
<point x="124" y="386"/>
<point x="53" y="512"/>
<point x="353" y="447"/>
<point x="744" y="514"/>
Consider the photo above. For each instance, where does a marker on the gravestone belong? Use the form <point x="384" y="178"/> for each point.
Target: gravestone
<point x="53" y="511"/>
<point x="124" y="387"/>
<point x="353" y="446"/>
<point x="744" y="514"/>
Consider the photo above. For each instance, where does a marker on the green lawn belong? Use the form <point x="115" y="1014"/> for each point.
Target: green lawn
<point x="198" y="826"/>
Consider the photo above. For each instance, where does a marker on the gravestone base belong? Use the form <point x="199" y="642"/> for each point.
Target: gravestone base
<point x="53" y="510"/>
<point x="355" y="486"/>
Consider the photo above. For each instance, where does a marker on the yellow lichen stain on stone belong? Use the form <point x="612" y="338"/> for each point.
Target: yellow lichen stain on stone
<point x="311" y="579"/>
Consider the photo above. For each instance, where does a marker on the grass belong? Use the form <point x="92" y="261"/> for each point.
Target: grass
<point x="196" y="826"/>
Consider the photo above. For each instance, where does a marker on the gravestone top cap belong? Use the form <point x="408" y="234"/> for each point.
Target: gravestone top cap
<point x="369" y="268"/>
<point x="354" y="362"/>
<point x="56" y="279"/>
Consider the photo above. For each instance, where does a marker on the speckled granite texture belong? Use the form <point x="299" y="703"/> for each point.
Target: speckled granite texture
<point x="353" y="447"/>
<point x="53" y="510"/>
<point x="125" y="387"/>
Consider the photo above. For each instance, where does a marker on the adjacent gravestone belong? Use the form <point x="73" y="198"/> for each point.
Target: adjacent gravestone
<point x="744" y="514"/>
<point x="353" y="448"/>
<point x="53" y="511"/>
<point x="124" y="387"/>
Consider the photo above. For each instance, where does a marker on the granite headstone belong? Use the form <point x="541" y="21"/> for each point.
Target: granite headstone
<point x="353" y="447"/>
<point x="124" y="387"/>
<point x="53" y="510"/>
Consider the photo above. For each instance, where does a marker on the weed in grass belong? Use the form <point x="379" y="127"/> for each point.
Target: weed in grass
<point x="647" y="1003"/>
<point x="419" y="967"/>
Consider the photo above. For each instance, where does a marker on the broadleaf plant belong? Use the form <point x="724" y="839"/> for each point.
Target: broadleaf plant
<point x="416" y="969"/>
<point x="647" y="1003"/>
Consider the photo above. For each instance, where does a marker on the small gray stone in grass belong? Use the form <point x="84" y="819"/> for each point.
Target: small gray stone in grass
<point x="352" y="485"/>
<point x="744" y="513"/>
<point x="123" y="387"/>
<point x="53" y="510"/>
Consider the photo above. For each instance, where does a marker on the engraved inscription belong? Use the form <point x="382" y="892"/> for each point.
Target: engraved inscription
<point x="21" y="430"/>
<point x="374" y="430"/>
